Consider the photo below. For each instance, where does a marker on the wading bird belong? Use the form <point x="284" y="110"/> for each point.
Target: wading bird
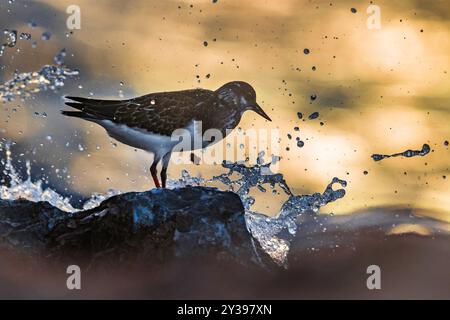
<point x="147" y="122"/>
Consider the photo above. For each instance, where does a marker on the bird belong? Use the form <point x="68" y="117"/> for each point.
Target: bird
<point x="147" y="122"/>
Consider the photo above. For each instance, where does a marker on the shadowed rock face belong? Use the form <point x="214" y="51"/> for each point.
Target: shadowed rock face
<point x="150" y="227"/>
<point x="193" y="243"/>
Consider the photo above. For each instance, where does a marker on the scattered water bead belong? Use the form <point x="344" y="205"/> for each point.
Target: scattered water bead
<point x="353" y="10"/>
<point x="205" y="43"/>
<point x="25" y="36"/>
<point x="299" y="115"/>
<point x="46" y="36"/>
<point x="408" y="153"/>
<point x="24" y="85"/>
<point x="10" y="40"/>
<point x="313" y="115"/>
<point x="11" y="37"/>
<point x="60" y="57"/>
<point x="300" y="143"/>
<point x="261" y="188"/>
<point x="313" y="97"/>
<point x="306" y="51"/>
<point x="446" y="143"/>
<point x="260" y="159"/>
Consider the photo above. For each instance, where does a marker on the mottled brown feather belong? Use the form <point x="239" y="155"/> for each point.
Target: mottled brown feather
<point x="160" y="113"/>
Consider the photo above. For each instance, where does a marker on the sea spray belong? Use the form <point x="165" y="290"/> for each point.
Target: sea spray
<point x="408" y="153"/>
<point x="26" y="188"/>
<point x="49" y="77"/>
<point x="273" y="233"/>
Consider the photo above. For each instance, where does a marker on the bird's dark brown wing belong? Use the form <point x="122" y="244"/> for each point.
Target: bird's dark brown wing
<point x="160" y="113"/>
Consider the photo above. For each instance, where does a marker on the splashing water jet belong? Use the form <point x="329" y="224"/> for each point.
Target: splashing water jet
<point x="273" y="233"/>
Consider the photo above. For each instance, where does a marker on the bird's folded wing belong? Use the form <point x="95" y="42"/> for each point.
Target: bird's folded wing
<point x="160" y="113"/>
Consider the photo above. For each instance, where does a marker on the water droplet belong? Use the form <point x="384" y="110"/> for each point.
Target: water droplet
<point x="46" y="35"/>
<point x="313" y="116"/>
<point x="25" y="36"/>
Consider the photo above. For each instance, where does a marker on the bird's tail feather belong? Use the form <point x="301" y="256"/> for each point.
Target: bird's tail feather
<point x="99" y="108"/>
<point x="78" y="114"/>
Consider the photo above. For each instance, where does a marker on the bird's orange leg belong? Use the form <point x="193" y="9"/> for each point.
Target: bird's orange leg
<point x="165" y="164"/>
<point x="154" y="173"/>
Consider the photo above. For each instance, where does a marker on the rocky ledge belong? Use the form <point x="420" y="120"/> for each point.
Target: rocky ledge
<point x="193" y="242"/>
<point x="148" y="227"/>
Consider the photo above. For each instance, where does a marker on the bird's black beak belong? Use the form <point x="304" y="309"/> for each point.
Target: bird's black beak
<point x="260" y="111"/>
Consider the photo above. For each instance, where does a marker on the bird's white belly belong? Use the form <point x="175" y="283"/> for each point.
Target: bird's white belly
<point x="138" y="138"/>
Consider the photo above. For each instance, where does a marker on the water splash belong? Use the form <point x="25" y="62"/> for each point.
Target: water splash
<point x="408" y="153"/>
<point x="273" y="233"/>
<point x="50" y="77"/>
<point x="27" y="189"/>
<point x="11" y="40"/>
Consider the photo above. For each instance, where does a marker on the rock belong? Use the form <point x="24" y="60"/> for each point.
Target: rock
<point x="151" y="227"/>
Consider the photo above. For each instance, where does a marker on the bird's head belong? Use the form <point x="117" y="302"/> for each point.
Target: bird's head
<point x="242" y="96"/>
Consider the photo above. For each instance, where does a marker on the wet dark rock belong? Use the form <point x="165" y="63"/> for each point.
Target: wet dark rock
<point x="151" y="227"/>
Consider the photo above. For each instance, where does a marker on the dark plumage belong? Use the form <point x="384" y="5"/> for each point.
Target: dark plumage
<point x="147" y="122"/>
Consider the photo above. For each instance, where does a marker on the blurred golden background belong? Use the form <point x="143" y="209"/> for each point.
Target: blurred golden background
<point x="378" y="91"/>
